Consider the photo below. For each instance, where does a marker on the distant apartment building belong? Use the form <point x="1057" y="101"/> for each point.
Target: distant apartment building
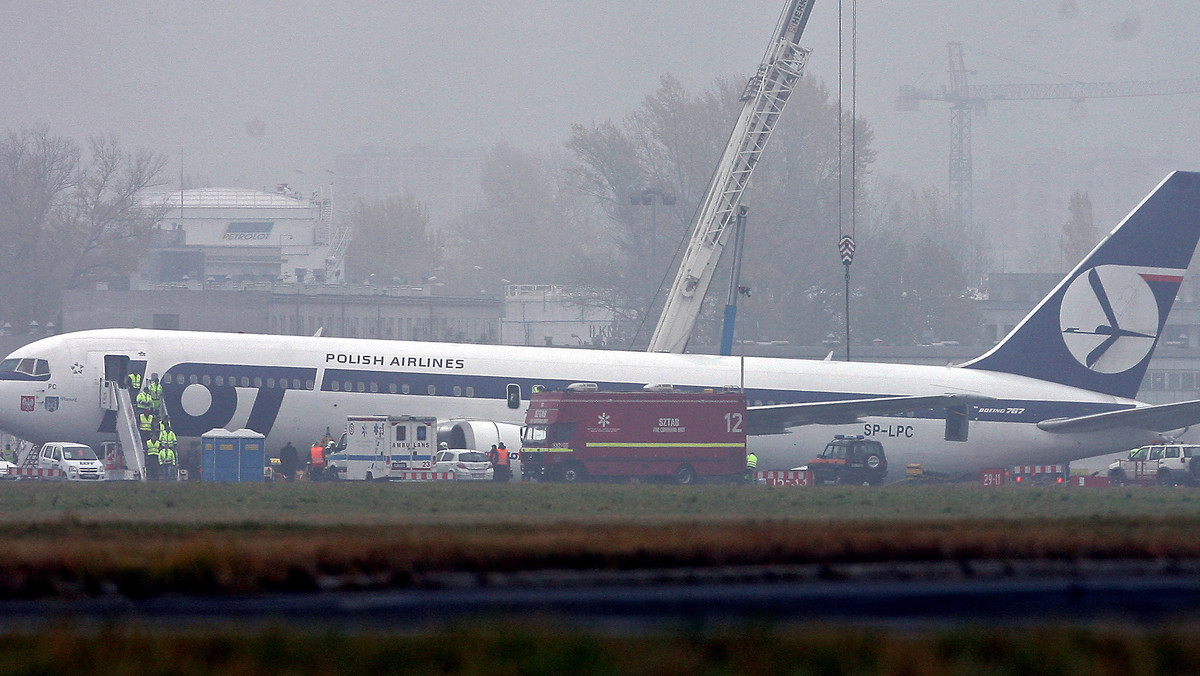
<point x="446" y="181"/>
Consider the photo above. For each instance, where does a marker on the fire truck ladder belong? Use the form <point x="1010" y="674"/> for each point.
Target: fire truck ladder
<point x="764" y="98"/>
<point x="116" y="398"/>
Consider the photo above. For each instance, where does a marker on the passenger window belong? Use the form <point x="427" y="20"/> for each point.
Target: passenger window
<point x="401" y="433"/>
<point x="220" y="381"/>
<point x="1156" y="453"/>
<point x="205" y="380"/>
<point x="1173" y="452"/>
<point x="458" y="390"/>
<point x="374" y="386"/>
<point x="271" y="383"/>
<point x="422" y="433"/>
<point x="362" y="387"/>
<point x="245" y="381"/>
<point x="432" y="389"/>
<point x="470" y="391"/>
<point x="334" y="385"/>
<point x="406" y="389"/>
<point x="257" y="381"/>
<point x="192" y="379"/>
<point x="392" y="388"/>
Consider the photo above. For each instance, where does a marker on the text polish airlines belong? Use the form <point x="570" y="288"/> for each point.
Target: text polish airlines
<point x="1059" y="387"/>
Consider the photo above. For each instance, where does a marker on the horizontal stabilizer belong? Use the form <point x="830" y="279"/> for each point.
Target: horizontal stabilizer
<point x="1160" y="418"/>
<point x="776" y="418"/>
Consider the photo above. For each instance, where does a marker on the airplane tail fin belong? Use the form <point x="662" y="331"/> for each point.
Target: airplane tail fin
<point x="1098" y="328"/>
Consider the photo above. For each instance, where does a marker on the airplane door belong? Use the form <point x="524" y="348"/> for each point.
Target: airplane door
<point x="116" y="368"/>
<point x="958" y="420"/>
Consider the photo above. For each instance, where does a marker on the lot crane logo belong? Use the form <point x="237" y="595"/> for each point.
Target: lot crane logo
<point x="603" y="420"/>
<point x="1109" y="317"/>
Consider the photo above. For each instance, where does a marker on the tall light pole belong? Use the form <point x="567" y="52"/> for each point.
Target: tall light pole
<point x="647" y="198"/>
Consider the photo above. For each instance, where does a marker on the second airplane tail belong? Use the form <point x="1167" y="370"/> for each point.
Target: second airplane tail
<point x="1098" y="328"/>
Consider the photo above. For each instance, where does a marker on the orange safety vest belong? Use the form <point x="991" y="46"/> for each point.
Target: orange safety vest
<point x="318" y="456"/>
<point x="502" y="456"/>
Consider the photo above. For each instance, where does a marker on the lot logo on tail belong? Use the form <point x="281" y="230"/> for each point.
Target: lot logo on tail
<point x="1109" y="317"/>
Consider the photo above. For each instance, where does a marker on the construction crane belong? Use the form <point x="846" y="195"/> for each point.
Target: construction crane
<point x="965" y="98"/>
<point x="764" y="98"/>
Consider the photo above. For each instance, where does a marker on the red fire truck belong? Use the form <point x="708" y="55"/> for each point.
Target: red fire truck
<point x="658" y="433"/>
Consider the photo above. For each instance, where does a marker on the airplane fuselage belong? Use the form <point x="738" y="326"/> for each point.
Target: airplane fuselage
<point x="294" y="388"/>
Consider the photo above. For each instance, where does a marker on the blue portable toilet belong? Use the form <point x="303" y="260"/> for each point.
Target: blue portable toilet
<point x="218" y="456"/>
<point x="232" y="456"/>
<point x="252" y="458"/>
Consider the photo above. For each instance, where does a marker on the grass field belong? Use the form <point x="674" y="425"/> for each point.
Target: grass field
<point x="139" y="539"/>
<point x="540" y="650"/>
<point x="71" y="541"/>
<point x="191" y="504"/>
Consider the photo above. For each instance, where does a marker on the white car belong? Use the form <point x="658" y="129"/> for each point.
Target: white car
<point x="6" y="469"/>
<point x="466" y="464"/>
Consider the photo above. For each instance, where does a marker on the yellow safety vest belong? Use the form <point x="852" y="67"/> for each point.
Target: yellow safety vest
<point x="155" y="390"/>
<point x="152" y="449"/>
<point x="135" y="381"/>
<point x="166" y="456"/>
<point x="146" y="421"/>
<point x="751" y="461"/>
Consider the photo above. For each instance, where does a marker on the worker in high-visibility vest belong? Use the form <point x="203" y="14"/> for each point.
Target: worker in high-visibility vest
<point x="153" y="459"/>
<point x="503" y="470"/>
<point x="316" y="464"/>
<point x="135" y="381"/>
<point x="145" y="422"/>
<point x="155" y="389"/>
<point x="167" y="463"/>
<point x="143" y="401"/>
<point x="751" y="465"/>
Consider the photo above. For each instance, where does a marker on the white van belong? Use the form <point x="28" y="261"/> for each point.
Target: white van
<point x="1163" y="464"/>
<point x="76" y="461"/>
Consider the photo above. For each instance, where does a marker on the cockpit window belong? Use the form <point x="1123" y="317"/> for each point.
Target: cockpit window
<point x="27" y="366"/>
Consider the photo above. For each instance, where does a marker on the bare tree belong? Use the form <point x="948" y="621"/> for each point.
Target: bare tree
<point x="65" y="221"/>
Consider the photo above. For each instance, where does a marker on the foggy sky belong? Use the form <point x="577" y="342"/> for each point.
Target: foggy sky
<point x="187" y="78"/>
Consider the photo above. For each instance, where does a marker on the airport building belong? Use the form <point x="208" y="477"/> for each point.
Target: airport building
<point x="233" y="235"/>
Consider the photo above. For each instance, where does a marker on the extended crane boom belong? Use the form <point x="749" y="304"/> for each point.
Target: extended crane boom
<point x="764" y="98"/>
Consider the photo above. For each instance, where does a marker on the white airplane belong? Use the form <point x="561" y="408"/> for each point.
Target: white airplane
<point x="1059" y="387"/>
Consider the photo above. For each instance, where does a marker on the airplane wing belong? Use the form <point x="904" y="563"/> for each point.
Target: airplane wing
<point x="1158" y="418"/>
<point x="776" y="418"/>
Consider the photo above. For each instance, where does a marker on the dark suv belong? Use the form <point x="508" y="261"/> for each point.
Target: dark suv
<point x="849" y="460"/>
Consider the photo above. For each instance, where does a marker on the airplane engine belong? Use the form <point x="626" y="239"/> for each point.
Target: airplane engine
<point x="480" y="435"/>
